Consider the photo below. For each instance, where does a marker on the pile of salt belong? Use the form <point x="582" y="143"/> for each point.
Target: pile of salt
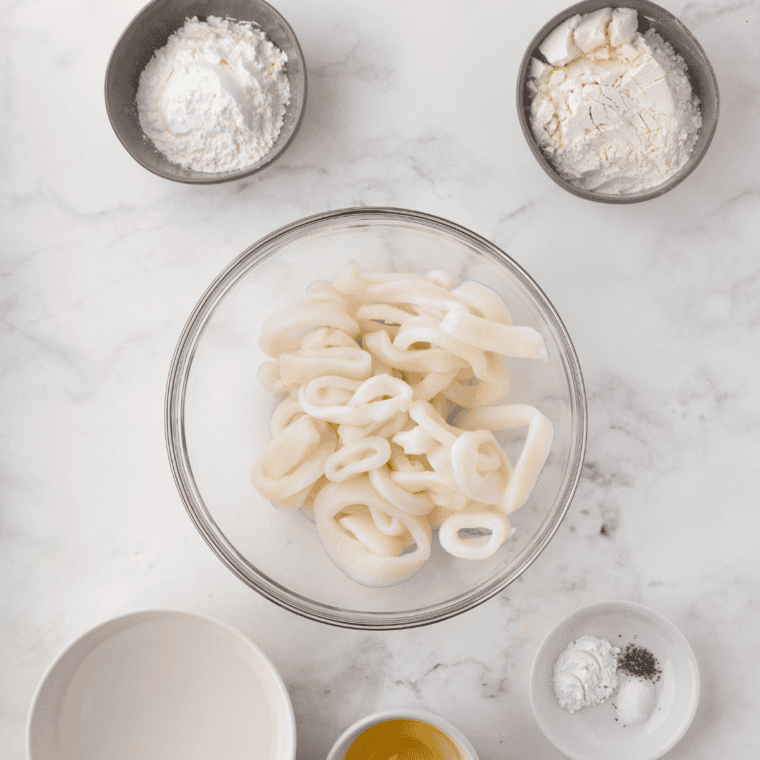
<point x="634" y="701"/>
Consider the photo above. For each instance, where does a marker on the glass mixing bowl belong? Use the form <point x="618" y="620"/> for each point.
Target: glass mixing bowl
<point x="217" y="417"/>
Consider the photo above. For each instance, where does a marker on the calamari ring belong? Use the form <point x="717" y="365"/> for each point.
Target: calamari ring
<point x="427" y="330"/>
<point x="353" y="557"/>
<point x="432" y="384"/>
<point x="535" y="452"/>
<point x="324" y="337"/>
<point x="391" y="526"/>
<point x="480" y="466"/>
<point x="473" y="548"/>
<point x="297" y="501"/>
<point x="355" y="458"/>
<point x="439" y="457"/>
<point x="384" y="428"/>
<point x="400" y="462"/>
<point x="415" y="441"/>
<point x="411" y="503"/>
<point x="483" y="301"/>
<point x="425" y="415"/>
<point x="364" y="530"/>
<point x="417" y="291"/>
<point x="425" y="360"/>
<point x="324" y="394"/>
<point x="306" y="365"/>
<point x="381" y="313"/>
<point x="270" y="378"/>
<point x="440" y="492"/>
<point x="384" y="522"/>
<point x="507" y="340"/>
<point x="276" y="333"/>
<point x="366" y="405"/>
<point x="293" y="460"/>
<point x="284" y="414"/>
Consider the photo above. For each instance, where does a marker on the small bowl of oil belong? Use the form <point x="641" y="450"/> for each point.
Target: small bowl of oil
<point x="403" y="732"/>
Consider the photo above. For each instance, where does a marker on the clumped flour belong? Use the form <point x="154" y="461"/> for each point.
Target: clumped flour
<point x="213" y="98"/>
<point x="613" y="109"/>
<point x="584" y="673"/>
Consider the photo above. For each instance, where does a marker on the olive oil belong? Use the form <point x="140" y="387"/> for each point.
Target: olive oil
<point x="404" y="740"/>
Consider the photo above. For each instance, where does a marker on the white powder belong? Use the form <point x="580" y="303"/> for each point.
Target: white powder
<point x="585" y="673"/>
<point x="613" y="110"/>
<point x="213" y="98"/>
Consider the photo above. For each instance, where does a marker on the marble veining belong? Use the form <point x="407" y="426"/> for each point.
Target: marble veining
<point x="410" y="105"/>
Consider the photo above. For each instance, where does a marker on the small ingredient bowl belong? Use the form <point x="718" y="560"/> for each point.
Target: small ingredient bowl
<point x="341" y="747"/>
<point x="148" y="32"/>
<point x="592" y="732"/>
<point x="701" y="76"/>
<point x="161" y="683"/>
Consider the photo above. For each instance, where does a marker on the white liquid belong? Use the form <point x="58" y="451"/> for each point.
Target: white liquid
<point x="166" y="690"/>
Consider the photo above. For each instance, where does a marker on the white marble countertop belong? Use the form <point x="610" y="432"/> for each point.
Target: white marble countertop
<point x="410" y="105"/>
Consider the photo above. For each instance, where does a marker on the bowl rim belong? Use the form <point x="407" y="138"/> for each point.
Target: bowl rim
<point x="662" y="622"/>
<point x="139" y="613"/>
<point x="588" y="6"/>
<point x="209" y="178"/>
<point x="191" y="497"/>
<point x="399" y="713"/>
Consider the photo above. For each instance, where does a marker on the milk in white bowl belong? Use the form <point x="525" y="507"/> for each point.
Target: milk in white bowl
<point x="157" y="684"/>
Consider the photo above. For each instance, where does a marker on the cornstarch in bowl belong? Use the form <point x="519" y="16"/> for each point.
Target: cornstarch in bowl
<point x="213" y="98"/>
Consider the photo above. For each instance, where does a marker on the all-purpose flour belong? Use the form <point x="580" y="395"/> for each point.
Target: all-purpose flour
<point x="213" y="98"/>
<point x="613" y="110"/>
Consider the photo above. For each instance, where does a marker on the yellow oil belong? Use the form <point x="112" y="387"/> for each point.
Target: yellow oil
<point x="404" y="740"/>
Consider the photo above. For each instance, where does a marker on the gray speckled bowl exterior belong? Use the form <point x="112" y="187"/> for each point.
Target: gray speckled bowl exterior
<point x="148" y="32"/>
<point x="701" y="75"/>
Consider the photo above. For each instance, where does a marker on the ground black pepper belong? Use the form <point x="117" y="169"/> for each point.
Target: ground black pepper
<point x="639" y="662"/>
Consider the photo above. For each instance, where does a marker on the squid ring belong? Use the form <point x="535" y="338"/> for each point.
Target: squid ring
<point x="284" y="414"/>
<point x="481" y="467"/>
<point x="293" y="460"/>
<point x="411" y="503"/>
<point x="352" y="556"/>
<point x="366" y="532"/>
<point x="464" y="548"/>
<point x="535" y="452"/>
<point x="308" y="364"/>
<point x="508" y="340"/>
<point x="355" y="458"/>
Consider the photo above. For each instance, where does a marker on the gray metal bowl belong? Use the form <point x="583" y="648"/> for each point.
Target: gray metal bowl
<point x="701" y="76"/>
<point x="148" y="32"/>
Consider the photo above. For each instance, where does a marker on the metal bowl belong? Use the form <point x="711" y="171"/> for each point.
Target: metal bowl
<point x="701" y="76"/>
<point x="149" y="31"/>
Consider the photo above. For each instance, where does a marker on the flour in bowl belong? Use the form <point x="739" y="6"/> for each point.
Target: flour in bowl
<point x="585" y="673"/>
<point x="213" y="98"/>
<point x="613" y="109"/>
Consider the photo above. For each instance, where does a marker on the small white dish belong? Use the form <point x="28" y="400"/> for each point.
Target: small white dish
<point x="346" y="739"/>
<point x="592" y="733"/>
<point x="157" y="684"/>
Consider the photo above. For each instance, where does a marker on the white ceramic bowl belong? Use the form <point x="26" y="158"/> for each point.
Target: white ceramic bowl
<point x="592" y="733"/>
<point x="341" y="747"/>
<point x="158" y="684"/>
